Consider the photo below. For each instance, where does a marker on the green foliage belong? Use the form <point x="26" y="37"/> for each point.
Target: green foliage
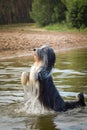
<point x="77" y="14"/>
<point x="45" y="12"/>
<point x="40" y="12"/>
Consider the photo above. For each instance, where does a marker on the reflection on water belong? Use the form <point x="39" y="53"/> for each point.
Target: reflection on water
<point x="70" y="77"/>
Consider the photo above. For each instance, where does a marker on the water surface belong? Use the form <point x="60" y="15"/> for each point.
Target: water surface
<point x="70" y="78"/>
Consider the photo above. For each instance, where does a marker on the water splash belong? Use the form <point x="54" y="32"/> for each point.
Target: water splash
<point x="32" y="106"/>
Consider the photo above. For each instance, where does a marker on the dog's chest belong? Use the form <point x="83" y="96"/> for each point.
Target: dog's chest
<point x="33" y="80"/>
<point x="33" y="72"/>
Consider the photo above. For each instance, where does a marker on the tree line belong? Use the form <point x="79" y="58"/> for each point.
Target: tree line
<point x="44" y="12"/>
<point x="15" y="11"/>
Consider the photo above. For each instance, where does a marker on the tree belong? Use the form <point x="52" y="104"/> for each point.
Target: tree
<point x="48" y="11"/>
<point x="77" y="13"/>
<point x="40" y="12"/>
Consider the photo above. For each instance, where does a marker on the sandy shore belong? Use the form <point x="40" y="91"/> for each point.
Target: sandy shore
<point x="22" y="43"/>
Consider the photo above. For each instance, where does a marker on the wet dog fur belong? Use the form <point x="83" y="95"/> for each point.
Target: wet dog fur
<point x="40" y="82"/>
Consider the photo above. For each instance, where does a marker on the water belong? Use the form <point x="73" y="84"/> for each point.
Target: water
<point x="70" y="77"/>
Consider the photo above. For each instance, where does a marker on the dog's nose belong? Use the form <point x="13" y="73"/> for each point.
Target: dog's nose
<point x="34" y="49"/>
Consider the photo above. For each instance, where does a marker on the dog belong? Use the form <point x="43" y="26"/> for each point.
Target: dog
<point x="40" y="82"/>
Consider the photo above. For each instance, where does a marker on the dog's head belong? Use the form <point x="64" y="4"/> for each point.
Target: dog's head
<point x="47" y="55"/>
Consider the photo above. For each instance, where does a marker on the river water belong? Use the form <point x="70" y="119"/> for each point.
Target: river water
<point x="70" y="78"/>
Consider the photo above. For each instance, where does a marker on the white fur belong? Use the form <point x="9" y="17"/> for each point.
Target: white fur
<point x="25" y="83"/>
<point x="30" y="80"/>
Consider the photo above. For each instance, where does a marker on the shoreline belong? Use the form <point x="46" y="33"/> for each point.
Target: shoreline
<point x="18" y="44"/>
<point x="3" y="57"/>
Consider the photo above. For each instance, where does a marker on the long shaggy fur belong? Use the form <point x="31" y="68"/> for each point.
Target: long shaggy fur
<point x="41" y="83"/>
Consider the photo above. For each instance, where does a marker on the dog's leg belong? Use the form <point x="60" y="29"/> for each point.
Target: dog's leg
<point x="25" y="83"/>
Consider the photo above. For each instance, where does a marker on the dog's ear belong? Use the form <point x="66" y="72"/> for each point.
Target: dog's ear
<point x="49" y="57"/>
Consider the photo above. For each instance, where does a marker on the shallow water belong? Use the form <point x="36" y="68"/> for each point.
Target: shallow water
<point x="70" y="77"/>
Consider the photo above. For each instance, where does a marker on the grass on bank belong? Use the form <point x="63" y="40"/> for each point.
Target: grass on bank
<point x="34" y="27"/>
<point x="63" y="28"/>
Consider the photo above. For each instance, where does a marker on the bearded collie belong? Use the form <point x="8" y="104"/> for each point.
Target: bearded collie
<point x="41" y="85"/>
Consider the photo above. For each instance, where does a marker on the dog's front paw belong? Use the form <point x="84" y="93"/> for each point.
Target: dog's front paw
<point x="24" y="78"/>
